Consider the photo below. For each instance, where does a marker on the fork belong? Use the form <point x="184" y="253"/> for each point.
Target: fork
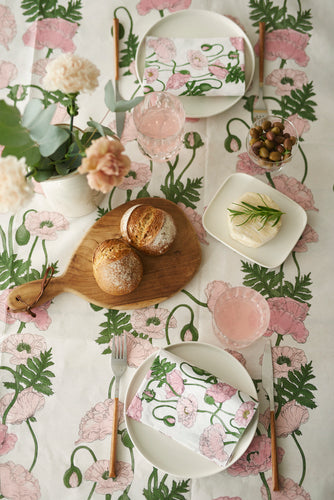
<point x="118" y="365"/>
<point x="260" y="108"/>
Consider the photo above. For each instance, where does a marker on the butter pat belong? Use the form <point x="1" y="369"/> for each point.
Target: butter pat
<point x="252" y="233"/>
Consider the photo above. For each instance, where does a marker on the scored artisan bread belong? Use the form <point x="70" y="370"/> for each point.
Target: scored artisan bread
<point x="149" y="229"/>
<point x="117" y="268"/>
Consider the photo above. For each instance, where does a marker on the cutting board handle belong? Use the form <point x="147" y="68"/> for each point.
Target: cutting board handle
<point x="23" y="296"/>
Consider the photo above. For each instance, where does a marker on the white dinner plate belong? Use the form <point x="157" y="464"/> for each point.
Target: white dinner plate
<point x="162" y="451"/>
<point x="271" y="254"/>
<point x="193" y="23"/>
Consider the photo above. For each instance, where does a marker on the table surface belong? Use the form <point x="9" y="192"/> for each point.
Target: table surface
<point x="56" y="379"/>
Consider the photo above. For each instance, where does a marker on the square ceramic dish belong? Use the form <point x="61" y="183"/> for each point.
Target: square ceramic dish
<point x="271" y="254"/>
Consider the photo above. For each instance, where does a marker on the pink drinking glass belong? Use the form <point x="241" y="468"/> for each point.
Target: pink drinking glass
<point x="159" y="120"/>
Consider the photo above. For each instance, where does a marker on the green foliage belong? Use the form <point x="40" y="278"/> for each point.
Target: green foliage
<point x="299" y="102"/>
<point x="277" y="17"/>
<point x="297" y="387"/>
<point x="187" y="194"/>
<point x="160" y="491"/>
<point x="160" y="368"/>
<point x="128" y="53"/>
<point x="12" y="270"/>
<point x="117" y="322"/>
<point x="42" y="9"/>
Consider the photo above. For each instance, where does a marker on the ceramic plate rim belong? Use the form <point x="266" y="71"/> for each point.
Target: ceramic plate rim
<point x="200" y="466"/>
<point x="273" y="253"/>
<point x="216" y="103"/>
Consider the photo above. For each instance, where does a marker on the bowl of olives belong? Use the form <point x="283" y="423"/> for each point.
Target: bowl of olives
<point x="272" y="142"/>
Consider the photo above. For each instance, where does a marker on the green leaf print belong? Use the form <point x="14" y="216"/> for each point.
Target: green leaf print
<point x="12" y="270"/>
<point x="156" y="490"/>
<point x="42" y="9"/>
<point x="36" y="373"/>
<point x="187" y="194"/>
<point x="277" y="17"/>
<point x="297" y="387"/>
<point x="160" y="368"/>
<point x="117" y="322"/>
<point x="299" y="102"/>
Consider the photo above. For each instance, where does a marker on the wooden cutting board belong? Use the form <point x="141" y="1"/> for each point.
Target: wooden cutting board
<point x="164" y="275"/>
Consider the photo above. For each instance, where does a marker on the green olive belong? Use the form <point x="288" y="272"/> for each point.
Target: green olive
<point x="266" y="125"/>
<point x="253" y="132"/>
<point x="264" y="153"/>
<point x="275" y="156"/>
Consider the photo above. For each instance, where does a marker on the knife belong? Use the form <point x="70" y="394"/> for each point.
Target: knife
<point x="120" y="115"/>
<point x="268" y="386"/>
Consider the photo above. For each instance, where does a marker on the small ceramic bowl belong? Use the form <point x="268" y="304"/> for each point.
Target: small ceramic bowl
<point x="241" y="315"/>
<point x="268" y="149"/>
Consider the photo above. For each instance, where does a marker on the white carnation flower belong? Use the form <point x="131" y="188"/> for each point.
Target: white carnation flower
<point x="14" y="187"/>
<point x="70" y="74"/>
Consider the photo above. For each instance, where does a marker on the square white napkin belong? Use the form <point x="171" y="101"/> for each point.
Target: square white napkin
<point x="195" y="66"/>
<point x="192" y="406"/>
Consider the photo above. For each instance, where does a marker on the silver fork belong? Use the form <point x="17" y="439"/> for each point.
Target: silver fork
<point x="118" y="365"/>
<point x="260" y="108"/>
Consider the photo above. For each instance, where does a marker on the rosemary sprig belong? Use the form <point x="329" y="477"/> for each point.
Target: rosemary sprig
<point x="263" y="212"/>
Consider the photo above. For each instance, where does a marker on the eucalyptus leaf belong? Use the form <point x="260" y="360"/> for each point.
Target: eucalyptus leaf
<point x="103" y="131"/>
<point x="126" y="105"/>
<point x="109" y="96"/>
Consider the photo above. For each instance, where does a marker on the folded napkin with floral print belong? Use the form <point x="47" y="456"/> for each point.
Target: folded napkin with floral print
<point x="195" y="66"/>
<point x="192" y="406"/>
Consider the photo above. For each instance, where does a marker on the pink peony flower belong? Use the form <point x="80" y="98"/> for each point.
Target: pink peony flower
<point x="197" y="59"/>
<point x="213" y="290"/>
<point x="244" y="414"/>
<point x="237" y="42"/>
<point x="285" y="44"/>
<point x="135" y="408"/>
<point x="53" y="33"/>
<point x="174" y="384"/>
<point x="139" y="175"/>
<point x="8" y="71"/>
<point x="164" y="48"/>
<point x="7" y="441"/>
<point x="98" y="421"/>
<point x="308" y="236"/>
<point x="99" y="473"/>
<point x="45" y="224"/>
<point x="257" y="458"/>
<point x="286" y="79"/>
<point x="138" y="350"/>
<point x="285" y="359"/>
<point x="8" y="28"/>
<point x="27" y="403"/>
<point x="211" y="443"/>
<point x="186" y="409"/>
<point x="42" y="320"/>
<point x="151" y="321"/>
<point x="286" y="318"/>
<point x="177" y="81"/>
<point x="145" y="6"/>
<point x="295" y="190"/>
<point x="290" y="418"/>
<point x="196" y="221"/>
<point x="18" y="483"/>
<point x="302" y="125"/>
<point x="105" y="164"/>
<point x="288" y="490"/>
<point x="218" y="69"/>
<point x="23" y="346"/>
<point x="247" y="166"/>
<point x="221" y="392"/>
<point x="151" y="74"/>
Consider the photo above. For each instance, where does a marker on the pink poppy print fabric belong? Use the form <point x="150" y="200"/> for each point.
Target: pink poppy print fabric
<point x="193" y="407"/>
<point x="195" y="66"/>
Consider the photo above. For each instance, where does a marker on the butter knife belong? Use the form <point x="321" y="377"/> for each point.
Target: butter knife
<point x="120" y="115"/>
<point x="268" y="386"/>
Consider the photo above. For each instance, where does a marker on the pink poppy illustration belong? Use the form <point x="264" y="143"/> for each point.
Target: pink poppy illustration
<point x="290" y="418"/>
<point x="295" y="190"/>
<point x="42" y="319"/>
<point x="247" y="166"/>
<point x="301" y="124"/>
<point x="151" y="74"/>
<point x="145" y="6"/>
<point x="98" y="421"/>
<point x="286" y="79"/>
<point x="7" y="441"/>
<point x="186" y="409"/>
<point x="8" y="27"/>
<point x="288" y="490"/>
<point x="196" y="221"/>
<point x="197" y="59"/>
<point x="227" y="498"/>
<point x="23" y="346"/>
<point x="213" y="290"/>
<point x="46" y="224"/>
<point x="129" y="132"/>
<point x="218" y="69"/>
<point x="211" y="443"/>
<point x="221" y="392"/>
<point x="237" y="355"/>
<point x="138" y="350"/>
<point x="53" y="33"/>
<point x="139" y="175"/>
<point x="308" y="236"/>
<point x="287" y="318"/>
<point x="244" y="413"/>
<point x="8" y="71"/>
<point x="237" y="42"/>
<point x="188" y="336"/>
<point x="177" y="80"/>
<point x="17" y="482"/>
<point x="257" y="458"/>
<point x="28" y="402"/>
<point x="285" y="359"/>
<point x="152" y="321"/>
<point x="174" y="384"/>
<point x="99" y="472"/>
<point x="285" y="44"/>
<point x="135" y="409"/>
<point x="38" y="67"/>
<point x="164" y="48"/>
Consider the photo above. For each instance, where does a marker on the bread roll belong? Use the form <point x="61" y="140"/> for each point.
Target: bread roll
<point x="149" y="229"/>
<point x="117" y="268"/>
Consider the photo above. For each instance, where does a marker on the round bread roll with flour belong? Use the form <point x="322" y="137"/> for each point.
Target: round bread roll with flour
<point x="149" y="229"/>
<point x="117" y="268"/>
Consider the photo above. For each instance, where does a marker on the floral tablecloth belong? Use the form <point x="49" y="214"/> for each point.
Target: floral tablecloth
<point x="56" y="382"/>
